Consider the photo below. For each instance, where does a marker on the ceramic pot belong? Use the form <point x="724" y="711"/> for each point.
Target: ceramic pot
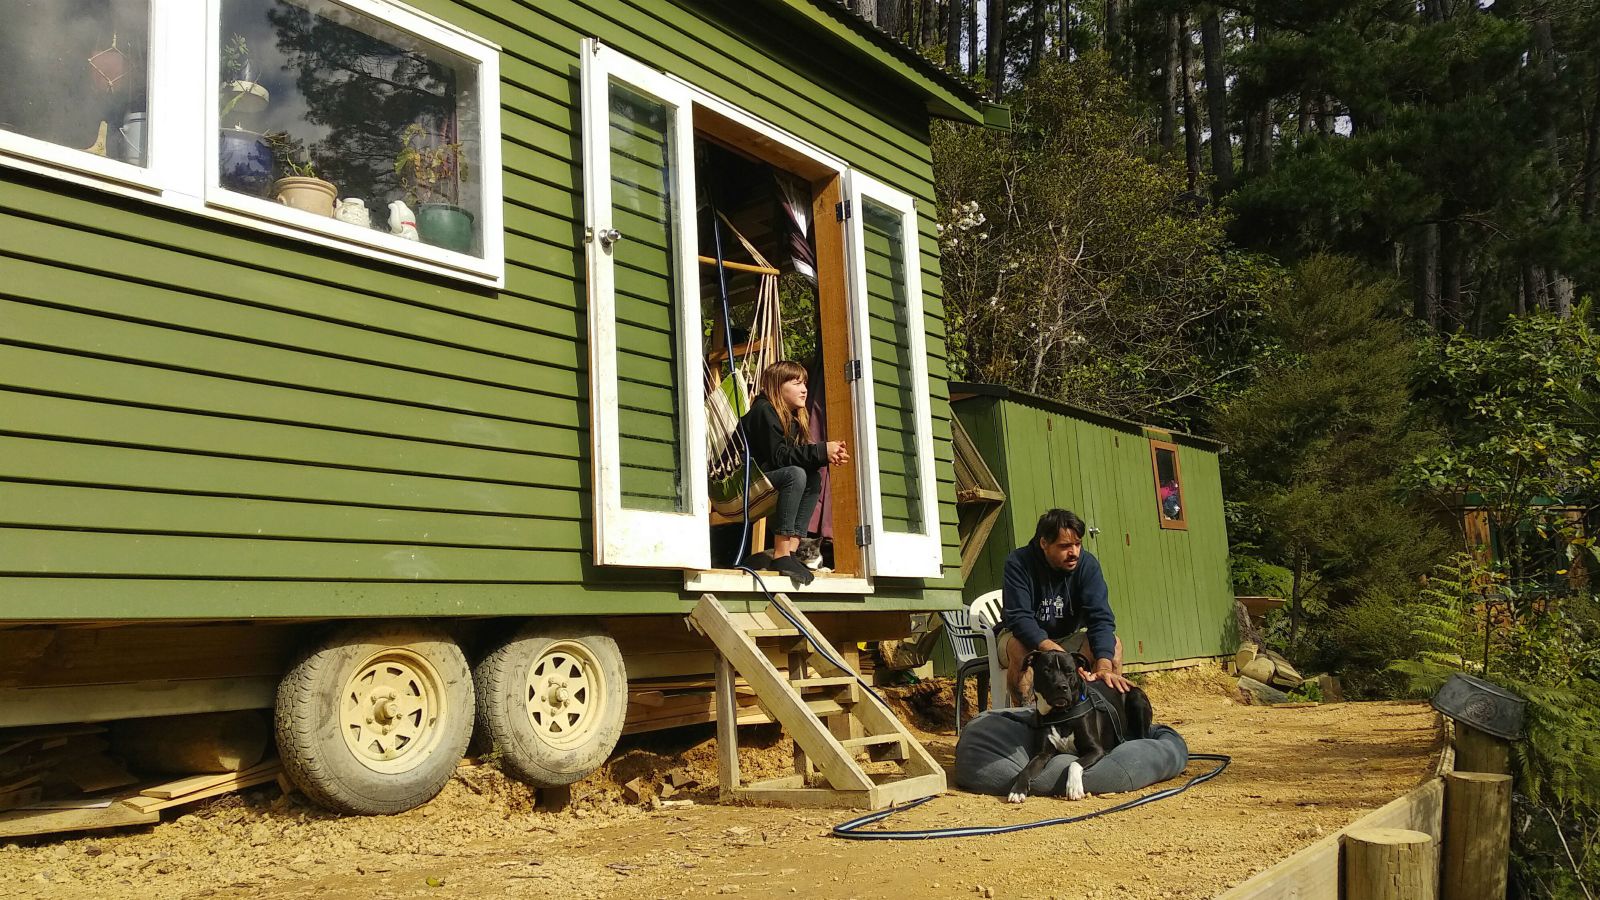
<point x="443" y="225"/>
<point x="310" y="194"/>
<point x="244" y="162"/>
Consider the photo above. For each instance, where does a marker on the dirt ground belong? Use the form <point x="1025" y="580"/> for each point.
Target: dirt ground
<point x="1296" y="775"/>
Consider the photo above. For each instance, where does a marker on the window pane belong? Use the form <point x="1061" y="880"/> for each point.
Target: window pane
<point x="76" y="73"/>
<point x="645" y="212"/>
<point x="379" y="128"/>
<point x="1167" y="477"/>
<point x="893" y="389"/>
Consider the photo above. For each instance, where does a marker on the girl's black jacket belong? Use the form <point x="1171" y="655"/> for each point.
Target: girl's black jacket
<point x="771" y="448"/>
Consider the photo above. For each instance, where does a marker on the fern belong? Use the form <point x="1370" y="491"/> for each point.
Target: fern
<point x="1440" y="625"/>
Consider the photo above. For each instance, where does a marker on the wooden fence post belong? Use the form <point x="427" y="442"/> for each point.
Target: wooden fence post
<point x="1477" y="835"/>
<point x="1389" y="864"/>
<point x="1479" y="751"/>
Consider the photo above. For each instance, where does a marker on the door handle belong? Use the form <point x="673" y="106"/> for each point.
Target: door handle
<point x="609" y="236"/>
<point x="1094" y="531"/>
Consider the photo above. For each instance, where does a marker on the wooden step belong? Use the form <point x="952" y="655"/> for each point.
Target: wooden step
<point x="821" y="712"/>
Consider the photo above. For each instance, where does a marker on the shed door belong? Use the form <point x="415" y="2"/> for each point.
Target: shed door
<point x="647" y="412"/>
<point x="895" y="442"/>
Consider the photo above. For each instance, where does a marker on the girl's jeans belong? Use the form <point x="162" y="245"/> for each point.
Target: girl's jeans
<point x="798" y="491"/>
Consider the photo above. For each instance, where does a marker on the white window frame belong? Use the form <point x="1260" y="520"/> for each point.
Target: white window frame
<point x="181" y="146"/>
<point x="889" y="554"/>
<point x="633" y="537"/>
<point x="892" y="553"/>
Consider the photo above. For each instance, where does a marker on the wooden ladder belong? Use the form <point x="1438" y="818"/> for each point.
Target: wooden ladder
<point x="821" y="704"/>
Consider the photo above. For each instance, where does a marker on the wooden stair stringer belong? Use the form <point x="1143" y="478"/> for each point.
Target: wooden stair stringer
<point x="795" y="702"/>
<point x="878" y="718"/>
<point x="778" y="697"/>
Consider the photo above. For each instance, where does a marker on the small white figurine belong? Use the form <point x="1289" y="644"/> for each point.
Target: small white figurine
<point x="402" y="220"/>
<point x="354" y="210"/>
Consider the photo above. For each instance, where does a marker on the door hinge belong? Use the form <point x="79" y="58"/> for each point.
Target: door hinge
<point x="852" y="370"/>
<point x="841" y="210"/>
<point x="863" y="535"/>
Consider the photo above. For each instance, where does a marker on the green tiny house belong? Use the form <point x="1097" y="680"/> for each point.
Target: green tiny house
<point x="1165" y="560"/>
<point x="227" y="419"/>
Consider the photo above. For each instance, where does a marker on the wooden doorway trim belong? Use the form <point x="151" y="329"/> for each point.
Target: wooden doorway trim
<point x="833" y="313"/>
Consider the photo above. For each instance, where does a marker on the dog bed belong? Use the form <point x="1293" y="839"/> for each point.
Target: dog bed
<point x="995" y="746"/>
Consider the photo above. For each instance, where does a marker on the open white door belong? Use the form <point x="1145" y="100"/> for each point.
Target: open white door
<point x="647" y="412"/>
<point x="894" y="425"/>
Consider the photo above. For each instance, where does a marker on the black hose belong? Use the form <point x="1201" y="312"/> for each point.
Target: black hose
<point x="851" y="830"/>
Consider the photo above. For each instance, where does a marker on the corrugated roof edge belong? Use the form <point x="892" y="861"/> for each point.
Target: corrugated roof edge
<point x="1002" y="392"/>
<point x="950" y="97"/>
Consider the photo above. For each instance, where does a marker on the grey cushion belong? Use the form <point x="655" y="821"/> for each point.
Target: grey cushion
<point x="995" y="746"/>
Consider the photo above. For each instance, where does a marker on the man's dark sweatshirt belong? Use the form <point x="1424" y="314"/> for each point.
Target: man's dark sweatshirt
<point x="768" y="445"/>
<point x="1044" y="602"/>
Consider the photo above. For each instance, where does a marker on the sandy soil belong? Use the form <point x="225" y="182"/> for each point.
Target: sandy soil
<point x="1297" y="774"/>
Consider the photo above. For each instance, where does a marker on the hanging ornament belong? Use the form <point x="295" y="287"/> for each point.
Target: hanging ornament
<point x="110" y="65"/>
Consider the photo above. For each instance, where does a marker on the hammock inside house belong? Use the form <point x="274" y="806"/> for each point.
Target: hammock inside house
<point x="729" y="392"/>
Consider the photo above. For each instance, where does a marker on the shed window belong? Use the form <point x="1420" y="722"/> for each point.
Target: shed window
<point x="77" y="77"/>
<point x="1169" y="485"/>
<point x="357" y="124"/>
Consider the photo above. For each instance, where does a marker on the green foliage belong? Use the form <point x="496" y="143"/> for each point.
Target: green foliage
<point x="1255" y="577"/>
<point x="1441" y="624"/>
<point x="797" y="303"/>
<point x="1076" y="267"/>
<point x="1523" y="438"/>
<point x="430" y="170"/>
<point x="1316" y="442"/>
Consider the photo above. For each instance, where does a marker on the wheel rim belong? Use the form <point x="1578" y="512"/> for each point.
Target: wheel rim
<point x="391" y="711"/>
<point x="565" y="695"/>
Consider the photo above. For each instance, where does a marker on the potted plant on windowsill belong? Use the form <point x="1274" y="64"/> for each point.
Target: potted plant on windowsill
<point x="431" y="171"/>
<point x="302" y="189"/>
<point x="244" y="157"/>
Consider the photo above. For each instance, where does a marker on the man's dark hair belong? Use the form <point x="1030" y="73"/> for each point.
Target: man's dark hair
<point x="1051" y="523"/>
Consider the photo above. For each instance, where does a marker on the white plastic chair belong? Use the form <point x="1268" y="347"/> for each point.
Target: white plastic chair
<point x="985" y="614"/>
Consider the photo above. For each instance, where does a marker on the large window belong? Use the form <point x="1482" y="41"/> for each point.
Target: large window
<point x="356" y="123"/>
<point x="77" y="83"/>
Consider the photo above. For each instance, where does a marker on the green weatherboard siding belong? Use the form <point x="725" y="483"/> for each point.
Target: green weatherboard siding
<point x="1170" y="588"/>
<point x="199" y="420"/>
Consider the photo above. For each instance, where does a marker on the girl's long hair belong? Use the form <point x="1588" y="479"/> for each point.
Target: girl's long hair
<point x="773" y="378"/>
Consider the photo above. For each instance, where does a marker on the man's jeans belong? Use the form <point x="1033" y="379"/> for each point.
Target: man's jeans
<point x="798" y="491"/>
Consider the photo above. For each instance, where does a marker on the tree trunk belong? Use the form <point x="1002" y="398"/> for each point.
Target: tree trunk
<point x="1559" y="286"/>
<point x="972" y="36"/>
<point x="1307" y="118"/>
<point x="1064" y="30"/>
<point x="1217" y="105"/>
<point x="952" y="34"/>
<point x="866" y="9"/>
<point x="1191" y="110"/>
<point x="888" y="16"/>
<point x="1037" y="30"/>
<point x="995" y="19"/>
<point x="1326" y="118"/>
<point x="1451" y="259"/>
<point x="1169" y="87"/>
<point x="1591" y="162"/>
<point x="1425" y="260"/>
<point x="1114" y="37"/>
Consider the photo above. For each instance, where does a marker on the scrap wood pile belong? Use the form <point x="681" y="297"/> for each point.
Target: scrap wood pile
<point x="1268" y="677"/>
<point x="77" y="777"/>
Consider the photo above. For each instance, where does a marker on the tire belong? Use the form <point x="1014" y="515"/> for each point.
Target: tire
<point x="374" y="719"/>
<point x="552" y="700"/>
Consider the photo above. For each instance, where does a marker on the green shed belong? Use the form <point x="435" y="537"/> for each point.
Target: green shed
<point x="1151" y="500"/>
<point x="398" y="313"/>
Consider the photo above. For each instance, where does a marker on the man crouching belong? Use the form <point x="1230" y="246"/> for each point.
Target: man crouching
<point x="1052" y="588"/>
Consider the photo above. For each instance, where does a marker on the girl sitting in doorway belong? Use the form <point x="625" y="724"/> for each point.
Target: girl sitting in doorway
<point x="776" y="428"/>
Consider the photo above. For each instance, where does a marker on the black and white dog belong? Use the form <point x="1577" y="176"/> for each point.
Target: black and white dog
<point x="1094" y="717"/>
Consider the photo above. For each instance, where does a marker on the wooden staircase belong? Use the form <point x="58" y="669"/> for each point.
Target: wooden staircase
<point x="824" y="707"/>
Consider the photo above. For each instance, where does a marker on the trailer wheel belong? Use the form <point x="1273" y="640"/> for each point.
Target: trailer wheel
<point x="552" y="699"/>
<point x="374" y="719"/>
